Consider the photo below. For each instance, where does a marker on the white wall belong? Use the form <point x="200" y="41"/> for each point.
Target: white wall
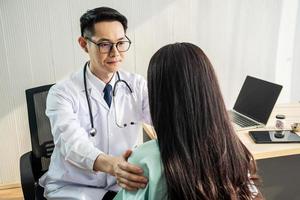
<point x="295" y="79"/>
<point x="38" y="45"/>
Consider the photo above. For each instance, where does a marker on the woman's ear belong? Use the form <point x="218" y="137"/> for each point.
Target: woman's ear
<point x="82" y="42"/>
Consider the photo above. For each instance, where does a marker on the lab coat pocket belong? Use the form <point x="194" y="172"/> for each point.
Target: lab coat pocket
<point x="127" y="112"/>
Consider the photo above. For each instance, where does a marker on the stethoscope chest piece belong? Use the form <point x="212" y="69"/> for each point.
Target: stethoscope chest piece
<point x="93" y="132"/>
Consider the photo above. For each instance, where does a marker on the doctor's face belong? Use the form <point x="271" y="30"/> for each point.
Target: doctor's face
<point x="105" y="60"/>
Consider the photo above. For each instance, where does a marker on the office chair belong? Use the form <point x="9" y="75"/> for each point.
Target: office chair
<point x="35" y="163"/>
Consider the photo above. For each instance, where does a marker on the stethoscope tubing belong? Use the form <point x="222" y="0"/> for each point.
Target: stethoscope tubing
<point x="93" y="130"/>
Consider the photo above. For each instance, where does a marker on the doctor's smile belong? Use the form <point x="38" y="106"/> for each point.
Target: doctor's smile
<point x="116" y="62"/>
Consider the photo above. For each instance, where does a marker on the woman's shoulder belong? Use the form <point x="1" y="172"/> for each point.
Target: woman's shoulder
<point x="145" y="151"/>
<point x="148" y="157"/>
<point x="150" y="144"/>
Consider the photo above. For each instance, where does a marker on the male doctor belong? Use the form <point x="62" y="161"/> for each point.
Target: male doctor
<point x="96" y="116"/>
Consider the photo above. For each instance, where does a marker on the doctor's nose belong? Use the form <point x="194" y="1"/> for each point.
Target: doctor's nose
<point x="114" y="51"/>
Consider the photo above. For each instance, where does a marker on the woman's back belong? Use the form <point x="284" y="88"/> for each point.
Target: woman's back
<point x="201" y="155"/>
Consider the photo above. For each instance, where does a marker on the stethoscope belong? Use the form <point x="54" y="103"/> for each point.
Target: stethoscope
<point x="93" y="130"/>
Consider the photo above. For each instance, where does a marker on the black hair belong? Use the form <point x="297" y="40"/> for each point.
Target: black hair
<point x="201" y="154"/>
<point x="91" y="17"/>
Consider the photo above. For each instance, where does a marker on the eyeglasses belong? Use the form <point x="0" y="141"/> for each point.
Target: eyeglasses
<point x="106" y="47"/>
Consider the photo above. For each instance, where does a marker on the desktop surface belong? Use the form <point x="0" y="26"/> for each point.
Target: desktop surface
<point x="262" y="151"/>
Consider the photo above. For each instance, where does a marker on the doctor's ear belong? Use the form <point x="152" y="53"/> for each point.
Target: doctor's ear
<point x="83" y="43"/>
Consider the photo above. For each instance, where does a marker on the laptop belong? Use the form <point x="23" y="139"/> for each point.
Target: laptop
<point x="254" y="104"/>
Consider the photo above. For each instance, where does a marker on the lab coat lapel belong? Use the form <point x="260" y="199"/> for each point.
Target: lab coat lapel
<point x="93" y="93"/>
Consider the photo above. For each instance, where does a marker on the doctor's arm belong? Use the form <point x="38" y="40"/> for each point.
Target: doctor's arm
<point x="75" y="146"/>
<point x="69" y="136"/>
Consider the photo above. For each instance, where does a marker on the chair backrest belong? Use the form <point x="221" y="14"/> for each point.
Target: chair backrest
<point x="39" y="125"/>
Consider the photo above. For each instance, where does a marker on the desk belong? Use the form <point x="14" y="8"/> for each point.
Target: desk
<point x="278" y="164"/>
<point x="263" y="151"/>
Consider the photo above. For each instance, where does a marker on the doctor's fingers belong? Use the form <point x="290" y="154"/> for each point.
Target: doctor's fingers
<point x="126" y="166"/>
<point x="130" y="185"/>
<point x="126" y="187"/>
<point x="123" y="174"/>
<point x="131" y="177"/>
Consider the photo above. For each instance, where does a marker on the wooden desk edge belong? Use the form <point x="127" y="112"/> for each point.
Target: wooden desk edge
<point x="257" y="156"/>
<point x="149" y="130"/>
<point x="274" y="154"/>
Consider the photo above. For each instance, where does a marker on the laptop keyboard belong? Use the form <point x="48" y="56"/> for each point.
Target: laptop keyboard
<point x="241" y="120"/>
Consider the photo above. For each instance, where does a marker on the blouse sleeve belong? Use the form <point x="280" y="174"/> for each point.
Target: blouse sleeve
<point x="147" y="156"/>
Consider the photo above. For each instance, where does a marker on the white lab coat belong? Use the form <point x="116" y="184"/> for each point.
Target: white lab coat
<point x="75" y="149"/>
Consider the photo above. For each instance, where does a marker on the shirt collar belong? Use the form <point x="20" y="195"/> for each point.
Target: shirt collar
<point x="98" y="83"/>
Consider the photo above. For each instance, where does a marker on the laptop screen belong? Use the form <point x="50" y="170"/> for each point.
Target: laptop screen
<point x="257" y="99"/>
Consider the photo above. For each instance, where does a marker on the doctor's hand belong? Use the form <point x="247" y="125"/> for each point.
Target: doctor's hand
<point x="129" y="176"/>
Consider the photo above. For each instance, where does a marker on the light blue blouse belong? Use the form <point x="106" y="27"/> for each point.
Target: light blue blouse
<point x="147" y="156"/>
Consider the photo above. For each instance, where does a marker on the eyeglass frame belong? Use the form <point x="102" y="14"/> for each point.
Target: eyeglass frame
<point x="111" y="43"/>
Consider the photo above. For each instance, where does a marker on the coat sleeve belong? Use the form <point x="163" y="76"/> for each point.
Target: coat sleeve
<point x="69" y="137"/>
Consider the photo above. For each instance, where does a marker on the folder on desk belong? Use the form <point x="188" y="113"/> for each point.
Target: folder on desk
<point x="263" y="137"/>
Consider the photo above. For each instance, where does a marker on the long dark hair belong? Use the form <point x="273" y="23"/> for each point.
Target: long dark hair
<point x="201" y="154"/>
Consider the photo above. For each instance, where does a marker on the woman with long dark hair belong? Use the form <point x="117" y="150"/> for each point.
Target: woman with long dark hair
<point x="197" y="154"/>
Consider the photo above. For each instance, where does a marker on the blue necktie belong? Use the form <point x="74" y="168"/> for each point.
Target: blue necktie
<point x="107" y="94"/>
